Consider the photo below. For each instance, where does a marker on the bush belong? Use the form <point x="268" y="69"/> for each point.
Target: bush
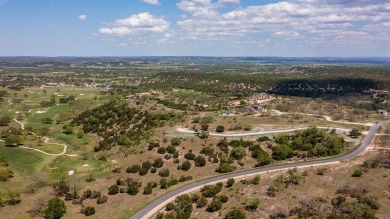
<point x="235" y="213"/>
<point x="171" y="149"/>
<point x="143" y="171"/>
<point x="161" y="150"/>
<point x="223" y="198"/>
<point x="158" y="163"/>
<point x="164" y="172"/>
<point x="55" y="208"/>
<point x="101" y="199"/>
<point x="209" y="191"/>
<point x="201" y="202"/>
<point x="252" y="205"/>
<point x="176" y="141"/>
<point x="132" y="189"/>
<point x="215" y="205"/>
<point x="200" y="161"/>
<point x="225" y="168"/>
<point x="133" y="169"/>
<point x="112" y="190"/>
<point x="186" y="165"/>
<point x="148" y="190"/>
<point x="230" y="182"/>
<point x="88" y="211"/>
<point x="220" y="128"/>
<point x="170" y="206"/>
<point x="357" y="173"/>
<point x="256" y="180"/>
<point x="147" y="164"/>
<point x="153" y="170"/>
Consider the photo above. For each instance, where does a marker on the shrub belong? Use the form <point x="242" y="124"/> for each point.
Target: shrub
<point x="200" y="161"/>
<point x="55" y="208"/>
<point x="143" y="171"/>
<point x="148" y="190"/>
<point x="230" y="182"/>
<point x="357" y="173"/>
<point x="225" y="168"/>
<point x="164" y="172"/>
<point x="112" y="190"/>
<point x="210" y="190"/>
<point x="158" y="163"/>
<point x="186" y="165"/>
<point x="88" y="211"/>
<point x="101" y="199"/>
<point x="256" y="180"/>
<point x="161" y="150"/>
<point x="220" y="128"/>
<point x="215" y="205"/>
<point x="170" y="206"/>
<point x="171" y="149"/>
<point x="235" y="213"/>
<point x="133" y="169"/>
<point x="252" y="205"/>
<point x="147" y="164"/>
<point x="201" y="202"/>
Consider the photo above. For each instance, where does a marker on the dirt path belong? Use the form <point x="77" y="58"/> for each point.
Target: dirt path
<point x="327" y="118"/>
<point x="46" y="141"/>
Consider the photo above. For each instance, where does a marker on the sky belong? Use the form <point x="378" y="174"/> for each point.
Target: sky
<point x="289" y="28"/>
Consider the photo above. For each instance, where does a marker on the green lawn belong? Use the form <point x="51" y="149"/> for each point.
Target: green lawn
<point x="22" y="160"/>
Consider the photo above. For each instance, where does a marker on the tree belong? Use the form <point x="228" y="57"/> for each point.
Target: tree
<point x="230" y="182"/>
<point x="215" y="205"/>
<point x="176" y="141"/>
<point x="235" y="213"/>
<point x="354" y="133"/>
<point x="282" y="152"/>
<point x="68" y="129"/>
<point x="204" y="127"/>
<point x="164" y="172"/>
<point x="55" y="209"/>
<point x="252" y="205"/>
<point x="112" y="190"/>
<point x="238" y="153"/>
<point x="201" y="202"/>
<point x="5" y="120"/>
<point x="88" y="211"/>
<point x="220" y="128"/>
<point x="186" y="165"/>
<point x="200" y="161"/>
<point x="225" y="168"/>
<point x="158" y="163"/>
<point x="133" y="169"/>
<point x="61" y="187"/>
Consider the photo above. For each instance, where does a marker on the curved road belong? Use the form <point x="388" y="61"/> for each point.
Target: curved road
<point x="161" y="201"/>
<point x="244" y="134"/>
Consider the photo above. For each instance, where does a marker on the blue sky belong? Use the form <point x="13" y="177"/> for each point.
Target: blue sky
<point x="195" y="27"/>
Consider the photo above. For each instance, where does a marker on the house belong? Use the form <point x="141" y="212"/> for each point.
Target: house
<point x="234" y="103"/>
<point x="257" y="107"/>
<point x="383" y="112"/>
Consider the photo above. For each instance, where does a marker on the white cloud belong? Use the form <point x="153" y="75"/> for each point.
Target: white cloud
<point x="224" y="3"/>
<point x="82" y="17"/>
<point x="152" y="2"/>
<point x="137" y="23"/>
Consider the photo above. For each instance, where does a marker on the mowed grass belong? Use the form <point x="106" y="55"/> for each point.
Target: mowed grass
<point x="65" y="164"/>
<point x="24" y="161"/>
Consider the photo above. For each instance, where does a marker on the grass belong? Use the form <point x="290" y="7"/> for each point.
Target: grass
<point x="23" y="160"/>
<point x="65" y="164"/>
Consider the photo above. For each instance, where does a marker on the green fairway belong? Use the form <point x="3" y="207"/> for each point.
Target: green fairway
<point x="23" y="160"/>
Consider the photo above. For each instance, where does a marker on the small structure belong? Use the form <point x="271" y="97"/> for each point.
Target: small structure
<point x="226" y="113"/>
<point x="383" y="112"/>
<point x="234" y="103"/>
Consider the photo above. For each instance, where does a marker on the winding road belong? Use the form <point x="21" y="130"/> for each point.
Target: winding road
<point x="243" y="134"/>
<point x="161" y="201"/>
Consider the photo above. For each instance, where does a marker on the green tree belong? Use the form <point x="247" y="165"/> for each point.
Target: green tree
<point x="235" y="213"/>
<point x="55" y="209"/>
<point x="220" y="128"/>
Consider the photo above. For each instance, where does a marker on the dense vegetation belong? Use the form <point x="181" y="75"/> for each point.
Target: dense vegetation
<point x="119" y="124"/>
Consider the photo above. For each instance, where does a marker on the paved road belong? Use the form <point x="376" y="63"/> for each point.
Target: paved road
<point x="245" y="134"/>
<point x="160" y="202"/>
